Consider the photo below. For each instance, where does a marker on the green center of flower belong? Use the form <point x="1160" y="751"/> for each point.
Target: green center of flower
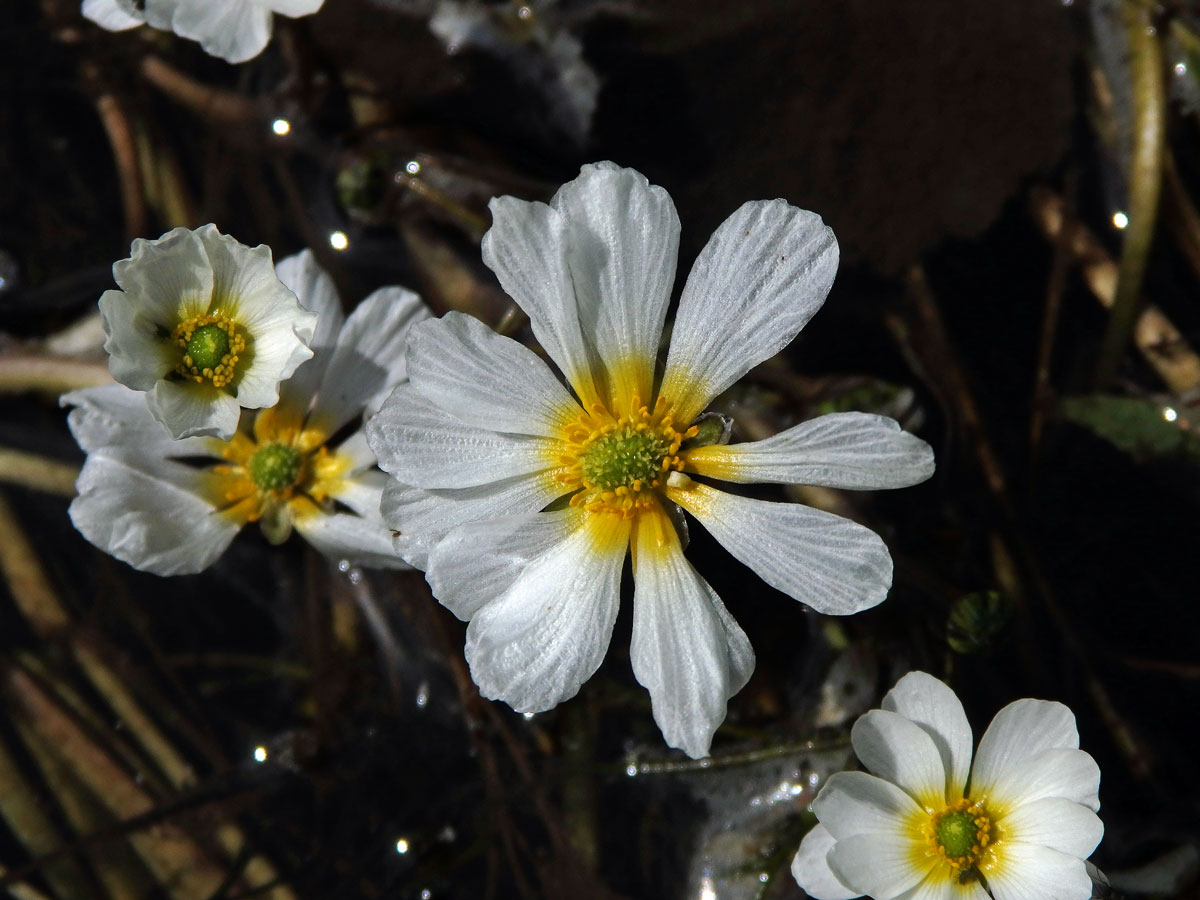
<point x="209" y="344"/>
<point x="957" y="833"/>
<point x="960" y="834"/>
<point x="275" y="467"/>
<point x="629" y="456"/>
<point x="211" y="347"/>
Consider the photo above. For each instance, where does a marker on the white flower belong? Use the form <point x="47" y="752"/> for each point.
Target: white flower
<point x="235" y="30"/>
<point x="930" y="825"/>
<point x="204" y="327"/>
<point x="485" y="437"/>
<point x="143" y="498"/>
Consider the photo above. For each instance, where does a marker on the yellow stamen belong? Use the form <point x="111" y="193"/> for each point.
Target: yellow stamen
<point x="210" y="349"/>
<point x="617" y="463"/>
<point x="961" y="835"/>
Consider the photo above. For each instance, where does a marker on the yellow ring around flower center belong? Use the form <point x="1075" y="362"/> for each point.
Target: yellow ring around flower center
<point x="280" y="465"/>
<point x="960" y="835"/>
<point x="614" y="463"/>
<point x="211" y="347"/>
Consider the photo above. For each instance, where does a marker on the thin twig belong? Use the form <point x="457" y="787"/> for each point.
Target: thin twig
<point x="49" y="375"/>
<point x="1145" y="182"/>
<point x="30" y="470"/>
<point x="211" y="103"/>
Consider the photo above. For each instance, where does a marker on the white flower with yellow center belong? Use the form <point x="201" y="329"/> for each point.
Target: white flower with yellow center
<point x="172" y="506"/>
<point x="486" y="437"/>
<point x="205" y="327"/>
<point x="235" y="30"/>
<point x="1017" y="824"/>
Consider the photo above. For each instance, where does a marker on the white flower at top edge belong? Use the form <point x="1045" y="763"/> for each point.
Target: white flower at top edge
<point x="204" y="327"/>
<point x="235" y="30"/>
<point x="486" y="437"/>
<point x="928" y="824"/>
<point x="172" y="506"/>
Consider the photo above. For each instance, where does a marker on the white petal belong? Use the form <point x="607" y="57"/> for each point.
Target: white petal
<point x="159" y="13"/>
<point x="425" y="517"/>
<point x="1020" y="731"/>
<point x="537" y="644"/>
<point x="836" y="566"/>
<point x="304" y="277"/>
<point x="236" y="30"/>
<point x="137" y="355"/>
<point x="935" y="886"/>
<point x="857" y="803"/>
<point x="360" y="541"/>
<point x="880" y="865"/>
<point x="902" y="752"/>
<point x="190" y="410"/>
<point x="246" y="288"/>
<point x="1071" y="774"/>
<point x="1030" y="872"/>
<point x="841" y="450"/>
<point x="936" y="708"/>
<point x="1056" y="823"/>
<point x="811" y="870"/>
<point x="152" y="524"/>
<point x="761" y="277"/>
<point x="476" y="564"/>
<point x="109" y="14"/>
<point x="113" y="415"/>
<point x="367" y="361"/>
<point x="527" y="249"/>
<point x="168" y="279"/>
<point x="294" y="8"/>
<point x="624" y="241"/>
<point x="483" y="379"/>
<point x="363" y="492"/>
<point x="687" y="650"/>
<point x="423" y="446"/>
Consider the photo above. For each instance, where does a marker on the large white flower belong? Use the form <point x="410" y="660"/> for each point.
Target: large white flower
<point x="486" y="437"/>
<point x="235" y="30"/>
<point x="144" y="499"/>
<point x="205" y="327"/>
<point x="930" y="825"/>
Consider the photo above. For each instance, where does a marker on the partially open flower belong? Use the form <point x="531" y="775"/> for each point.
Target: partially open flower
<point x="928" y="824"/>
<point x="205" y="327"/>
<point x="235" y="30"/>
<point x="172" y="506"/>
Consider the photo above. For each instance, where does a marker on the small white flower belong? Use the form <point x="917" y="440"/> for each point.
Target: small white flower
<point x="930" y="825"/>
<point x="485" y="437"/>
<point x="204" y="327"/>
<point x="235" y="30"/>
<point x="143" y="498"/>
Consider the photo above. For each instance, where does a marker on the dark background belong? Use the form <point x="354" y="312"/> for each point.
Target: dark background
<point x="1054" y="554"/>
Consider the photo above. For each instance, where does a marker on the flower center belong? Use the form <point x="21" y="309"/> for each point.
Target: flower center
<point x="211" y="346"/>
<point x="960" y="834"/>
<point x="275" y="467"/>
<point x="616" y="461"/>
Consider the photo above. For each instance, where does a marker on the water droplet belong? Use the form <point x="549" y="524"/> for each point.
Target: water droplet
<point x="338" y="240"/>
<point x="413" y="167"/>
<point x="260" y="754"/>
<point x="631" y="770"/>
<point x="1119" y="219"/>
<point x="1180" y="68"/>
<point x="281" y="127"/>
<point x="1169" y="414"/>
<point x="401" y="845"/>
